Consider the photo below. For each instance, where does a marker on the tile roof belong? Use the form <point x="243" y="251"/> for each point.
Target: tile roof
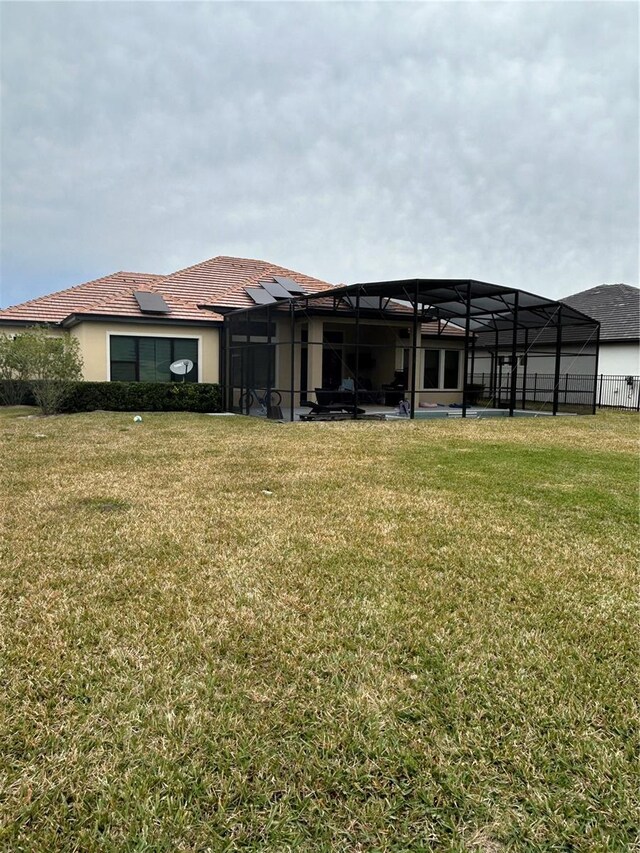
<point x="54" y="307"/>
<point x="219" y="281"/>
<point x="124" y="304"/>
<point x="615" y="306"/>
<point x="222" y="281"/>
<point x="446" y="328"/>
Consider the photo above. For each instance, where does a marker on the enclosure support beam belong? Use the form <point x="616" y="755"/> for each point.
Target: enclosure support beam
<point x="513" y="388"/>
<point x="246" y="379"/>
<point x="496" y="364"/>
<point x="293" y="359"/>
<point x="414" y="371"/>
<point x="224" y="367"/>
<point x="595" y="373"/>
<point x="473" y="357"/>
<point x="357" y="361"/>
<point x="270" y="379"/>
<point x="467" y="330"/>
<point x="556" y="375"/>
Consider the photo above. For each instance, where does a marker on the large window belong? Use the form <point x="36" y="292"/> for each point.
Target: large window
<point x="142" y="359"/>
<point x="432" y="368"/>
<point x="451" y="368"/>
<point x="442" y="369"/>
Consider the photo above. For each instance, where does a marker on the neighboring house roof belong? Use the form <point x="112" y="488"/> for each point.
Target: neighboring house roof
<point x="219" y="281"/>
<point x="615" y="306"/>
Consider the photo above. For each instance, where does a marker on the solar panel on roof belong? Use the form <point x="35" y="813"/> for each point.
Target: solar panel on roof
<point x="288" y="283"/>
<point x="151" y="303"/>
<point x="276" y="290"/>
<point x="259" y="296"/>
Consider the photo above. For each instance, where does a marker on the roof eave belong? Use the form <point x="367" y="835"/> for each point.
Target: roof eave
<point x="8" y="321"/>
<point x="158" y="320"/>
<point x="605" y="339"/>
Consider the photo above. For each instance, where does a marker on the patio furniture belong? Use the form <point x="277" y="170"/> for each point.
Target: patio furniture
<point x="330" y="411"/>
<point x="394" y="391"/>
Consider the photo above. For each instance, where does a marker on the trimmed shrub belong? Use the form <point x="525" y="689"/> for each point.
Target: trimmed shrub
<point x="143" y="397"/>
<point x="123" y="396"/>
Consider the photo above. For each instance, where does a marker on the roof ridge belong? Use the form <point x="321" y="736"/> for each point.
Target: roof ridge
<point x="239" y="262"/>
<point x="600" y="287"/>
<point x="215" y="258"/>
<point x="55" y="293"/>
<point x="280" y="270"/>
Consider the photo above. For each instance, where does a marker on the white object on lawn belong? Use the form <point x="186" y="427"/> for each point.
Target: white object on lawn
<point x="137" y="419"/>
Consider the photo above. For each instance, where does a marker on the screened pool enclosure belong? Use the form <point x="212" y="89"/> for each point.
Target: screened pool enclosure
<point x="411" y="348"/>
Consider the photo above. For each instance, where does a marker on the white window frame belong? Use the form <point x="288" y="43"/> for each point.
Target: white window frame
<point x="441" y="357"/>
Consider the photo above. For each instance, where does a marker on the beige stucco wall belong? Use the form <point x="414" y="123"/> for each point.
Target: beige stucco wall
<point x="93" y="339"/>
<point x="94" y="348"/>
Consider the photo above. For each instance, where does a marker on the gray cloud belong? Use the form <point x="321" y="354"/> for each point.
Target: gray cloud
<point x="350" y="141"/>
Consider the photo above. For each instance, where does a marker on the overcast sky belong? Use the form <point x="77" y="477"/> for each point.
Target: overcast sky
<point x="350" y="141"/>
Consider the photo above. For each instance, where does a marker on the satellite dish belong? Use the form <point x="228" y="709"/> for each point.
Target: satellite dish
<point x="181" y="367"/>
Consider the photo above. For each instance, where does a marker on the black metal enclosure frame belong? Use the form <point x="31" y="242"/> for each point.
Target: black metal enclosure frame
<point x="501" y="328"/>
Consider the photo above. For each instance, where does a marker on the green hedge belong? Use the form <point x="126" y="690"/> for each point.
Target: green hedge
<point x="14" y="392"/>
<point x="132" y="397"/>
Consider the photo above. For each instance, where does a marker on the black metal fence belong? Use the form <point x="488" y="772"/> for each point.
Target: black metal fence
<point x="612" y="392"/>
<point x="618" y="392"/>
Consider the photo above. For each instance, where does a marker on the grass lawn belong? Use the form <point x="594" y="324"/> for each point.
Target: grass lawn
<point x="222" y="634"/>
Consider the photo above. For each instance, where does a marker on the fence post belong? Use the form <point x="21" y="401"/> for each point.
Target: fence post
<point x="600" y="393"/>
